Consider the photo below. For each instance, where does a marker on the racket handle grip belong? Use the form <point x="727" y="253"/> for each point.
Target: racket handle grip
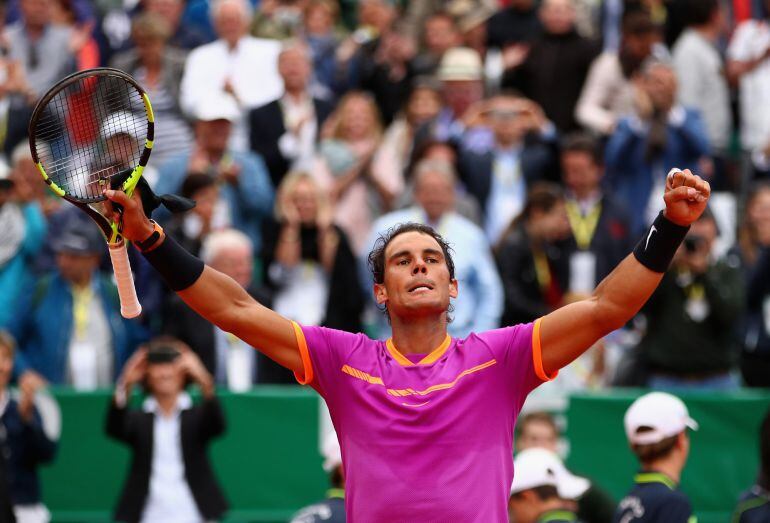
<point x="129" y="303"/>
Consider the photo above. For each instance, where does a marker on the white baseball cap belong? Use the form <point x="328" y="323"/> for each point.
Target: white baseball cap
<point x="460" y="63"/>
<point x="538" y="467"/>
<point x="218" y="106"/>
<point x="331" y="452"/>
<point x="663" y="413"/>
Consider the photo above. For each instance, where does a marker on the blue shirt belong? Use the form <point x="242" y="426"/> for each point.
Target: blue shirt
<point x="654" y="499"/>
<point x="754" y="507"/>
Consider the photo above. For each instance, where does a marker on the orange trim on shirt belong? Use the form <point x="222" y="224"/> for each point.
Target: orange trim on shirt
<point x="434" y="355"/>
<point x="537" y="354"/>
<point x="305" y="354"/>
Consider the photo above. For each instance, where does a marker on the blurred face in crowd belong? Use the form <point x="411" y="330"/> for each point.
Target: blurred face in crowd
<point x="397" y="47"/>
<point x="557" y="16"/>
<point x="205" y="202"/>
<point x="294" y="67"/>
<point x="580" y="172"/>
<point x="6" y="365"/>
<point x="461" y="94"/>
<point x="375" y="13"/>
<point x="213" y="136"/>
<point x="319" y="19"/>
<point x="149" y="48"/>
<point x="165" y="379"/>
<point x="441" y="151"/>
<point x="235" y="261"/>
<point x="440" y="34"/>
<point x="537" y="434"/>
<point x="26" y="179"/>
<point x="640" y="45"/>
<point x="704" y="228"/>
<point x="525" y="507"/>
<point x="304" y="197"/>
<point x="435" y="193"/>
<point x="170" y="10"/>
<point x="758" y="216"/>
<point x="423" y="105"/>
<point x="551" y="224"/>
<point x="77" y="268"/>
<point x="660" y="85"/>
<point x="357" y="118"/>
<point x="36" y="13"/>
<point x="508" y="120"/>
<point x="231" y="21"/>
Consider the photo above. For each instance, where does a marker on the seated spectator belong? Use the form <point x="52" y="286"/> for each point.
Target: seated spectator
<point x="343" y="168"/>
<point x="158" y="68"/>
<point x="439" y="34"/>
<point x="689" y="341"/>
<point x="523" y="152"/>
<point x="308" y="261"/>
<point x="480" y="305"/>
<point x="646" y="145"/>
<point x="22" y="234"/>
<point x="246" y="192"/>
<point x="553" y="70"/>
<point x="182" y="36"/>
<point x="190" y="229"/>
<point x="232" y="362"/>
<point x="537" y="430"/>
<point x="67" y="324"/>
<point x="24" y="442"/>
<point x="170" y="478"/>
<point x="754" y="504"/>
<point x="754" y="249"/>
<point x="608" y="93"/>
<point x="285" y="131"/>
<point x="533" y="266"/>
<point x="472" y="25"/>
<point x="599" y="224"/>
<point x="543" y="489"/>
<point x="277" y="19"/>
<point x="332" y="509"/>
<point x="656" y="427"/>
<point x="320" y="34"/>
<point x="227" y="66"/>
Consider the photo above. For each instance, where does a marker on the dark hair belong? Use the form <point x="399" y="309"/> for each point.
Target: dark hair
<point x="583" y="143"/>
<point x="335" y="477"/>
<point x="542" y="196"/>
<point x="700" y="12"/>
<point x="194" y="182"/>
<point x="638" y="23"/>
<point x="764" y="452"/>
<point x="653" y="451"/>
<point x="543" y="492"/>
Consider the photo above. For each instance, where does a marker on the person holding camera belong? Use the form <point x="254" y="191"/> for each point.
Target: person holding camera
<point x="171" y="478"/>
<point x="689" y="341"/>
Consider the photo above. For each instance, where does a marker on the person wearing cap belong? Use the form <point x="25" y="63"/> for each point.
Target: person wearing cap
<point x="123" y="140"/>
<point x="332" y="509"/>
<point x="246" y="194"/>
<point x="170" y="479"/>
<point x="754" y="504"/>
<point x="543" y="490"/>
<point x="656" y="427"/>
<point x="67" y="323"/>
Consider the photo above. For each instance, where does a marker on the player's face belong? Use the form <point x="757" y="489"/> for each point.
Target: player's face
<point x="416" y="278"/>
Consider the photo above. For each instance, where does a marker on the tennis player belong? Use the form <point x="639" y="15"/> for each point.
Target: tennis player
<point x="425" y="422"/>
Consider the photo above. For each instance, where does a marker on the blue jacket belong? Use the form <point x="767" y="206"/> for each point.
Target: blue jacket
<point x="43" y="327"/>
<point x="629" y="175"/>
<point x="249" y="202"/>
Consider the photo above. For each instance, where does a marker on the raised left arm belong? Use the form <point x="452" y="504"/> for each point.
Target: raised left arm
<point x="571" y="330"/>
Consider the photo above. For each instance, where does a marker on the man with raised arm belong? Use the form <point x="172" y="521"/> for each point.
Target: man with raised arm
<point x="425" y="422"/>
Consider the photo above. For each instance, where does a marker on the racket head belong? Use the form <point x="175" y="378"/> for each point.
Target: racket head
<point x="91" y="131"/>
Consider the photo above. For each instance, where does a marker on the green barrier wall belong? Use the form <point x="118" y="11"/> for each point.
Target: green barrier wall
<point x="269" y="466"/>
<point x="724" y="453"/>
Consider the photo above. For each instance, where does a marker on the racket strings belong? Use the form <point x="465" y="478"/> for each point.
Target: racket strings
<point x="89" y="132"/>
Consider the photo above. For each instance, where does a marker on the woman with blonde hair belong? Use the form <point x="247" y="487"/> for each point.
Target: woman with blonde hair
<point x="351" y="136"/>
<point x="308" y="261"/>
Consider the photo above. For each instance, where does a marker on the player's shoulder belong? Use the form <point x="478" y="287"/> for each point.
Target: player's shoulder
<point x="502" y="338"/>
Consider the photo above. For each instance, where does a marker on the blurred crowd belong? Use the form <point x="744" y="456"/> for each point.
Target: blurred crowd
<point x="534" y="135"/>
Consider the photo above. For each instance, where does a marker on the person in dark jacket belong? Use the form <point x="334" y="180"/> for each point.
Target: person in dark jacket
<point x="331" y="509"/>
<point x="754" y="504"/>
<point x="170" y="478"/>
<point x="24" y="445"/>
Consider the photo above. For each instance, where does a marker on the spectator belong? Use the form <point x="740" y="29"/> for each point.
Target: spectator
<point x="67" y="324"/>
<point x="277" y="19"/>
<point x="543" y="489"/>
<point x="656" y="427"/>
<point x="533" y="266"/>
<point x="286" y="130"/>
<point x="553" y="70"/>
<point x="191" y="229"/>
<point x="170" y="478"/>
<point x="22" y="233"/>
<point x="182" y="36"/>
<point x="332" y="509"/>
<point x="522" y="153"/>
<point x="244" y="182"/>
<point x="537" y="430"/>
<point x="608" y="93"/>
<point x="439" y="34"/>
<point x="319" y="23"/>
<point x="702" y="81"/>
<point x="158" y="68"/>
<point x="308" y="261"/>
<point x="232" y="362"/>
<point x="227" y="66"/>
<point x="24" y="442"/>
<point x="82" y="44"/>
<point x="600" y="226"/>
<point x="514" y="27"/>
<point x="358" y="193"/>
<point x="690" y="341"/>
<point x="754" y="249"/>
<point x="480" y="307"/>
<point x="753" y="506"/>
<point x="644" y="146"/>
<point x="473" y="31"/>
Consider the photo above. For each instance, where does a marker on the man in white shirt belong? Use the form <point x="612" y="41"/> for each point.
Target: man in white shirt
<point x="236" y="63"/>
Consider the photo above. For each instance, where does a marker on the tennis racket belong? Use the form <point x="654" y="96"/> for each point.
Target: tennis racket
<point x="93" y="131"/>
